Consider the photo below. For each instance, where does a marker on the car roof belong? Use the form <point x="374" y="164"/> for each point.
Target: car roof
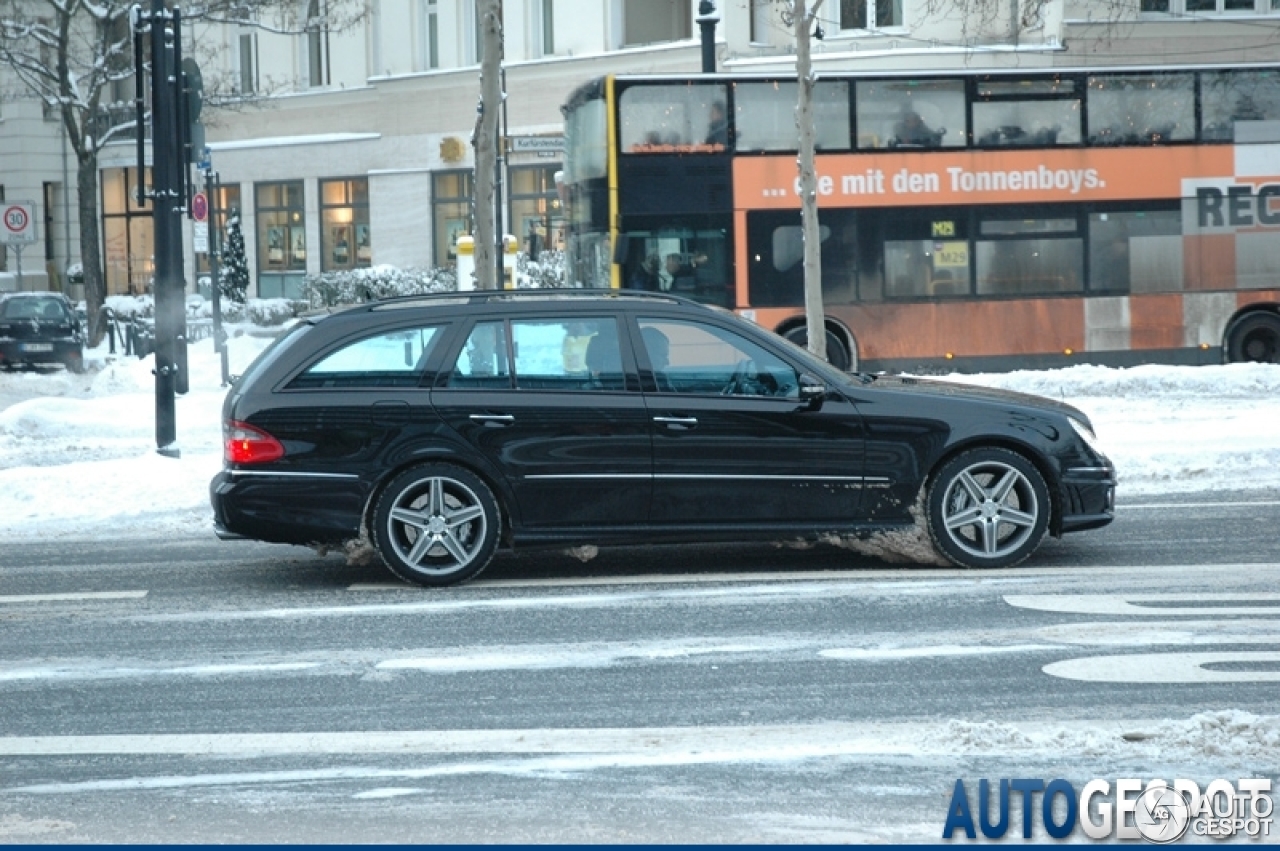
<point x="511" y="298"/>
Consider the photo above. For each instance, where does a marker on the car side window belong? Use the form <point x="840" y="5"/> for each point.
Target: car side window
<point x="390" y="359"/>
<point x="695" y="357"/>
<point x="483" y="361"/>
<point x="567" y="354"/>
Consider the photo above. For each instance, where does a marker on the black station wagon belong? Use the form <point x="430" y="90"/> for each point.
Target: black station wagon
<point x="443" y="426"/>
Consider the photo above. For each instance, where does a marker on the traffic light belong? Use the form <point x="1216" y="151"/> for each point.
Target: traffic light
<point x="191" y="102"/>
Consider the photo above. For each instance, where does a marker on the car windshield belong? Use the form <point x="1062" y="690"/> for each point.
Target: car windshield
<point x="34" y="308"/>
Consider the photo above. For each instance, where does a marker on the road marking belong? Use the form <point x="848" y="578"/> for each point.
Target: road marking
<point x="1168" y="668"/>
<point x="98" y="671"/>
<point x="73" y="597"/>
<point x="1147" y="633"/>
<point x="858" y="654"/>
<point x="1140" y="604"/>
<point x="537" y="751"/>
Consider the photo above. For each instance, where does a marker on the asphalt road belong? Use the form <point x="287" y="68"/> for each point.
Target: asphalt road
<point x="158" y="691"/>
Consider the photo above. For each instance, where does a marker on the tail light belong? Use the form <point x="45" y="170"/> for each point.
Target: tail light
<point x="244" y="444"/>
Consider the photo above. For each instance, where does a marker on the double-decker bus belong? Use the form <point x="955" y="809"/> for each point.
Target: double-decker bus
<point x="969" y="219"/>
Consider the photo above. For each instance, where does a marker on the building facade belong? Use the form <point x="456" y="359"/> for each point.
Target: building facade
<point x="355" y="149"/>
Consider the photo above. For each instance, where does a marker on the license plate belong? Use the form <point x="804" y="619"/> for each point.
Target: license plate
<point x="37" y="347"/>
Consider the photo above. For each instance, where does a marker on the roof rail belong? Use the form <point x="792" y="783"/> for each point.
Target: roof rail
<point x="522" y="294"/>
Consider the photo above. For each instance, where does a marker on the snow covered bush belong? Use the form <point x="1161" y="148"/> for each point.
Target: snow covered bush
<point x="357" y="285"/>
<point x="547" y="271"/>
<point x="269" y="311"/>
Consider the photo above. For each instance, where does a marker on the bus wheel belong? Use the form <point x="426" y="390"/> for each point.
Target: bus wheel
<point x="837" y="351"/>
<point x="1255" y="339"/>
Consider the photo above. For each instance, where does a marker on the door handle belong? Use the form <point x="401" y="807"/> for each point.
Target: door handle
<point x="685" y="422"/>
<point x="493" y="419"/>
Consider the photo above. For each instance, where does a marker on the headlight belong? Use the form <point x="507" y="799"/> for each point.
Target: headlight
<point x="1086" y="434"/>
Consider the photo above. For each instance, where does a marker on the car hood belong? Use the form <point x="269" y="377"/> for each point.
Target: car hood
<point x="931" y="387"/>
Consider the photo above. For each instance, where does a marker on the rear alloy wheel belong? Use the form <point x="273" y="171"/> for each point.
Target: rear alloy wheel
<point x="436" y="525"/>
<point x="988" y="508"/>
<point x="1255" y="339"/>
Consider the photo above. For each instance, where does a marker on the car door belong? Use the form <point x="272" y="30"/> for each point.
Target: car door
<point x="732" y="440"/>
<point x="552" y="403"/>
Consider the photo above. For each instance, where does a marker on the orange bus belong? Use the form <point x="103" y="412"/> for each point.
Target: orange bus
<point x="969" y="220"/>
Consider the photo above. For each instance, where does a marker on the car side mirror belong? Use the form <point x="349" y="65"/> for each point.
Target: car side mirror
<point x="812" y="390"/>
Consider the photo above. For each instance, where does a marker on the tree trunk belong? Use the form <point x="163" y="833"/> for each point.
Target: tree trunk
<point x="95" y="286"/>
<point x="815" y="319"/>
<point x="486" y="142"/>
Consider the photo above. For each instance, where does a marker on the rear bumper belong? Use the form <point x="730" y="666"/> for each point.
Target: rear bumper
<point x="285" y="509"/>
<point x="18" y="352"/>
<point x="1088" y="498"/>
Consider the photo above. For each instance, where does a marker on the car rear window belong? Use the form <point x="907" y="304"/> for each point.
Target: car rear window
<point x="48" y="309"/>
<point x="390" y="359"/>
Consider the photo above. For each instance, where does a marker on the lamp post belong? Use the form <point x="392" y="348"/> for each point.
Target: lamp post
<point x="707" y="20"/>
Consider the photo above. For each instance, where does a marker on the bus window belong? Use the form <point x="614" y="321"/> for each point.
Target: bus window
<point x="1023" y="256"/>
<point x="1136" y="251"/>
<point x="678" y="118"/>
<point x="911" y="114"/>
<point x="692" y="262"/>
<point x="775" y="245"/>
<point x="586" y="139"/>
<point x="1240" y="106"/>
<point x="1135" y="109"/>
<point x="764" y="115"/>
<point x="1027" y="113"/>
<point x="926" y="253"/>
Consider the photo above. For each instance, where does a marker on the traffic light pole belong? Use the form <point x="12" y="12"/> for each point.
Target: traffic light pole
<point x="167" y="203"/>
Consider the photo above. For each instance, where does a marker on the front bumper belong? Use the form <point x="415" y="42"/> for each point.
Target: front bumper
<point x="1088" y="498"/>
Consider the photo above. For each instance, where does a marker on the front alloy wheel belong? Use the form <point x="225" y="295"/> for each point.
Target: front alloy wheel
<point x="988" y="508"/>
<point x="436" y="525"/>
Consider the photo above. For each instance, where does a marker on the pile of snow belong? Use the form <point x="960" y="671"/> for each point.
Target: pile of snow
<point x="77" y="453"/>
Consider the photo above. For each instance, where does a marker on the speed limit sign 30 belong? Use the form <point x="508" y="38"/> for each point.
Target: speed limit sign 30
<point x="18" y="222"/>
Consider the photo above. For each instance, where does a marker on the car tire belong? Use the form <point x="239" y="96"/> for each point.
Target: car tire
<point x="987" y="508"/>
<point x="1255" y="339"/>
<point x="436" y="524"/>
<point x="75" y="363"/>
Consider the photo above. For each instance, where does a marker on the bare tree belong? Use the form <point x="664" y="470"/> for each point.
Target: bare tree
<point x="802" y="18"/>
<point x="485" y="140"/>
<point x="72" y="54"/>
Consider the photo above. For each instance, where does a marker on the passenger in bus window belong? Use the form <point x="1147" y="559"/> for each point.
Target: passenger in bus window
<point x="911" y="131"/>
<point x="645" y="276"/>
<point x="680" y="275"/>
<point x="718" y="129"/>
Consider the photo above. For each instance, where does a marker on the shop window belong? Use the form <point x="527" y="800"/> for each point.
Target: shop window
<point x="345" y="239"/>
<point x="451" y="212"/>
<point x="128" y="232"/>
<point x="537" y="218"/>
<point x="282" y="239"/>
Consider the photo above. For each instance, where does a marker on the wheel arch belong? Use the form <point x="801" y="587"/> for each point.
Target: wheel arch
<point x="833" y="326"/>
<point x="442" y="455"/>
<point x="1052" y="481"/>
